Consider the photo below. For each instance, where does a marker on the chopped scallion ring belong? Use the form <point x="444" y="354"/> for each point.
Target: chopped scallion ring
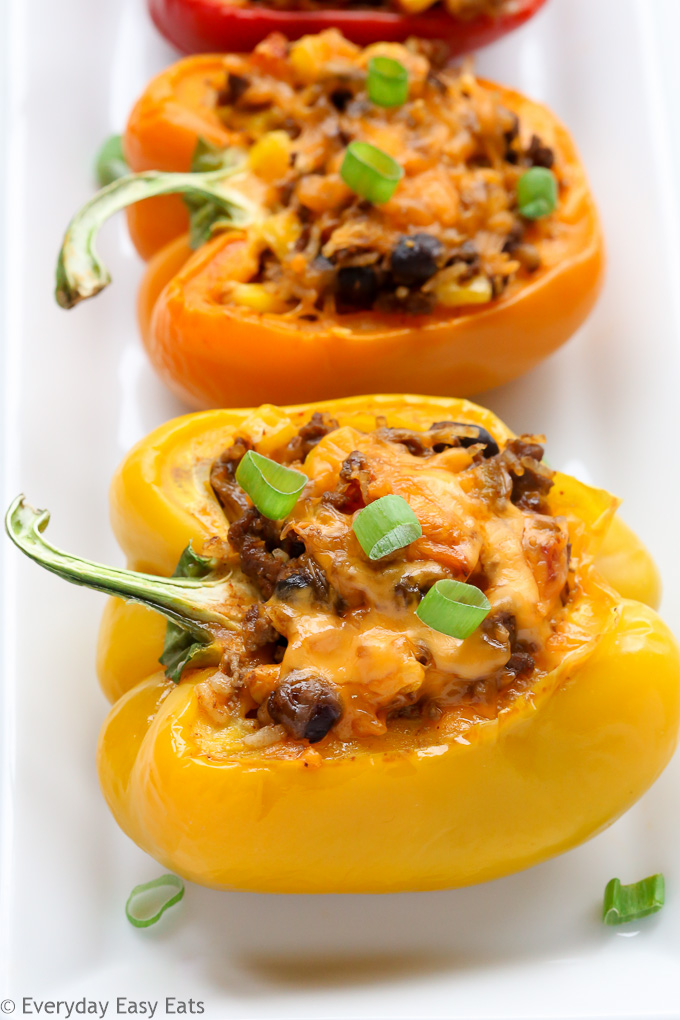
<point x="110" y="163"/>
<point x="273" y="488"/>
<point x="387" y="82"/>
<point x="537" y="193"/>
<point x="630" y="902"/>
<point x="370" y="172"/>
<point x="454" y="608"/>
<point x="148" y="902"/>
<point x="386" y="525"/>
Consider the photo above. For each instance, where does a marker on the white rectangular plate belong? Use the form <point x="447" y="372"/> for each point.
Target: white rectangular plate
<point x="77" y="392"/>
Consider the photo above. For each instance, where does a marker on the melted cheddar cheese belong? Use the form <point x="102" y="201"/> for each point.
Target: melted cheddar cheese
<point x="331" y="618"/>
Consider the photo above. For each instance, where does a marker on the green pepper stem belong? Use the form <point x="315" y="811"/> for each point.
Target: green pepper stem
<point x="191" y="603"/>
<point x="80" y="274"/>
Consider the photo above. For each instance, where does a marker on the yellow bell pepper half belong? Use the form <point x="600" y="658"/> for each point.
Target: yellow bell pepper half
<point x="384" y="814"/>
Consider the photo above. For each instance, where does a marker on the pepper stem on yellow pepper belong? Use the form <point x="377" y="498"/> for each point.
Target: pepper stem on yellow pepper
<point x="192" y="604"/>
<point x="81" y="274"/>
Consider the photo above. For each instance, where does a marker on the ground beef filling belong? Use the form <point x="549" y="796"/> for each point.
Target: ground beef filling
<point x="273" y="556"/>
<point x="263" y="553"/>
<point x="450" y="236"/>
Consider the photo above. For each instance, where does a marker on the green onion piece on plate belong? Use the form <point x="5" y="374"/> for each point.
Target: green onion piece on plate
<point x="370" y="172"/>
<point x="273" y="488"/>
<point x="110" y="163"/>
<point x="386" y="525"/>
<point x="148" y="902"/>
<point x="454" y="608"/>
<point x="630" y="902"/>
<point x="387" y="82"/>
<point x="537" y="193"/>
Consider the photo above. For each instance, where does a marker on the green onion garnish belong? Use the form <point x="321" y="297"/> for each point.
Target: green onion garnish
<point x="454" y="608"/>
<point x="273" y="488"/>
<point x="110" y="163"/>
<point x="148" y="902"/>
<point x="387" y="82"/>
<point x="370" y="172"/>
<point x="629" y="902"/>
<point x="537" y="193"/>
<point x="386" y="525"/>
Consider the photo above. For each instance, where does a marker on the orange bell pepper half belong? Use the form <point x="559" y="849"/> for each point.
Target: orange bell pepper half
<point x="217" y="350"/>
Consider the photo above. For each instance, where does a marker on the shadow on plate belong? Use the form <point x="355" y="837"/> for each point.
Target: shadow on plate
<point x="321" y="942"/>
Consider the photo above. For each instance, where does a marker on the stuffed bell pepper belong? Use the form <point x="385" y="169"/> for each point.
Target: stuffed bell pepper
<point x="392" y="658"/>
<point x="199" y="26"/>
<point x="358" y="220"/>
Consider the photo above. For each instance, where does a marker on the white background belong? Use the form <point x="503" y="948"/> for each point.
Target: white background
<point x="76" y="392"/>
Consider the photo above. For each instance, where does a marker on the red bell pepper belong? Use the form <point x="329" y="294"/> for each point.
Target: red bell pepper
<point x="205" y="26"/>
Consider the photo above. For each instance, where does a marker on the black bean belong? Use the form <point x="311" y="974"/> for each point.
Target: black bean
<point x="303" y="575"/>
<point x="356" y="286"/>
<point x="414" y="259"/>
<point x="307" y="706"/>
<point x="340" y="98"/>
<point x="290" y="586"/>
<point x="481" y="436"/>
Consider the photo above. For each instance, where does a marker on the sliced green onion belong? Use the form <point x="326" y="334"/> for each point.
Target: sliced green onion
<point x="630" y="902"/>
<point x="110" y="163"/>
<point x="386" y="525"/>
<point x="387" y="82"/>
<point x="537" y="193"/>
<point x="454" y="608"/>
<point x="148" y="902"/>
<point x="273" y="488"/>
<point x="370" y="172"/>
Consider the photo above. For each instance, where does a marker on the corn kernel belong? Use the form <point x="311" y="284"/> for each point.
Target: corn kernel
<point x="269" y="428"/>
<point x="280" y="232"/>
<point x="269" y="158"/>
<point x="308" y="57"/>
<point x="256" y="297"/>
<point x="450" y="293"/>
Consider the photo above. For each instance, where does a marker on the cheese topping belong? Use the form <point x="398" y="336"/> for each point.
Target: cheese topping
<point x="335" y="641"/>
